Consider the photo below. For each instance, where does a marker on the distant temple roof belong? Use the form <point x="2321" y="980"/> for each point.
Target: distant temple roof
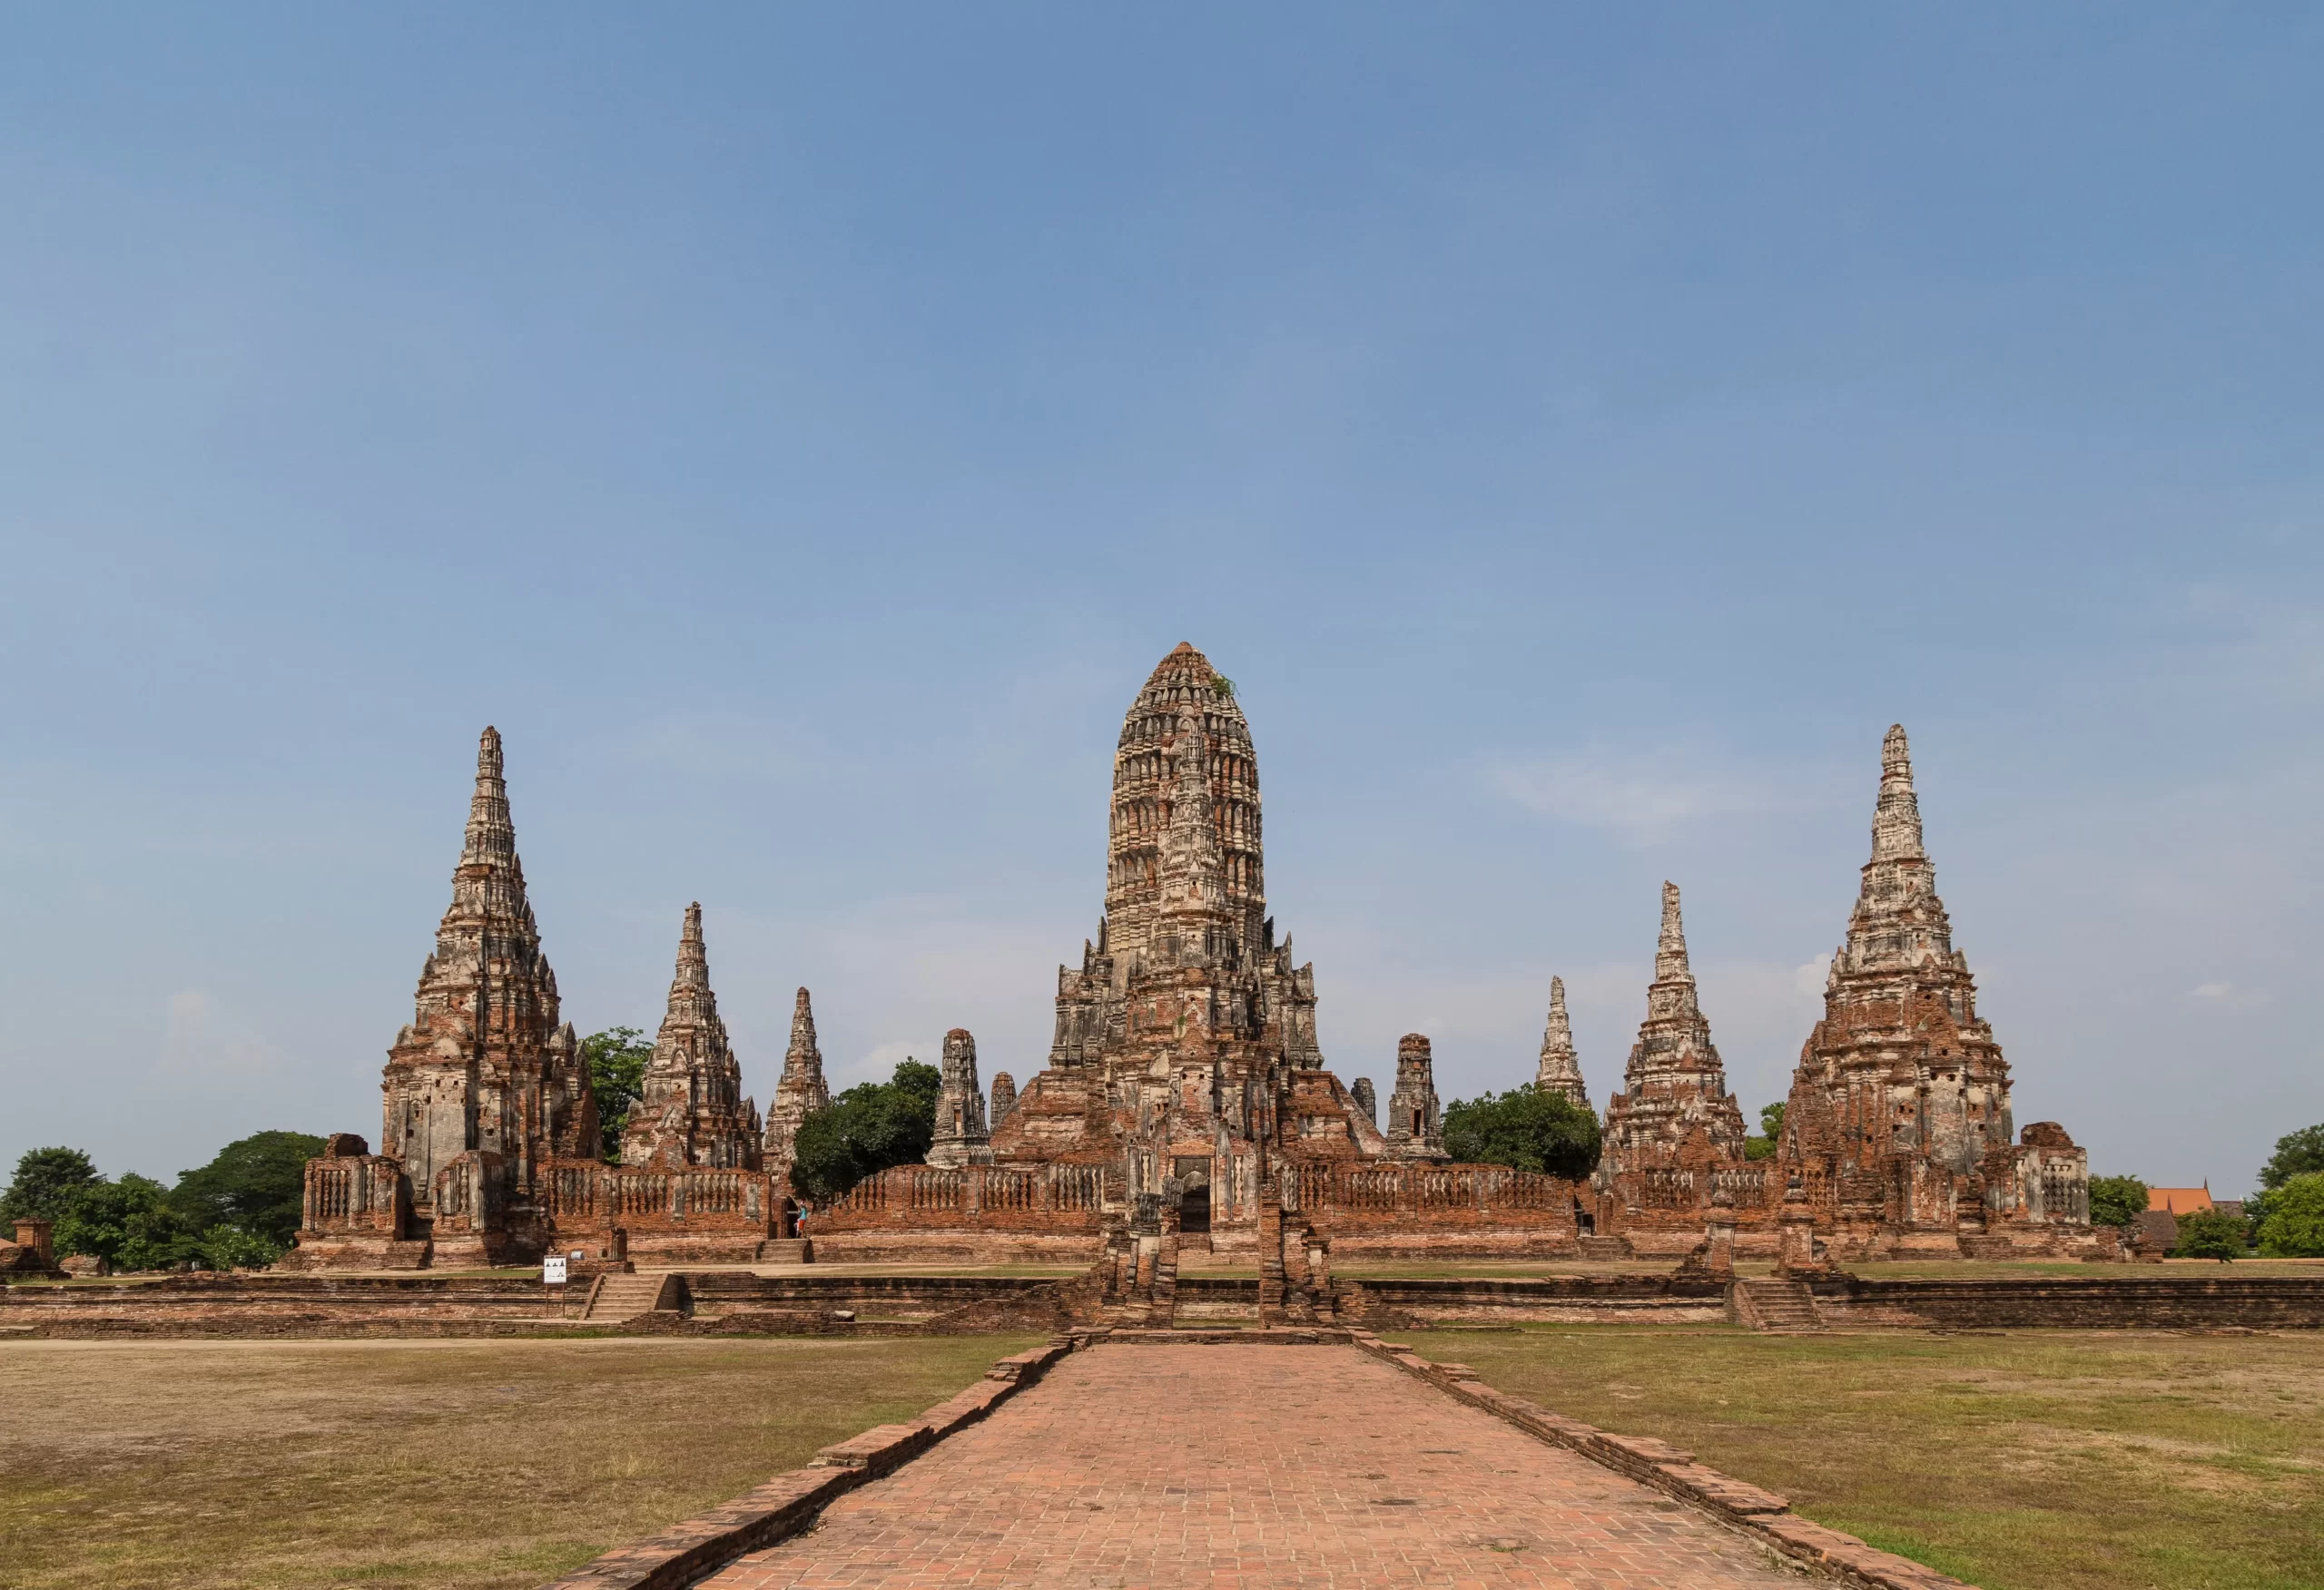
<point x="2179" y="1200"/>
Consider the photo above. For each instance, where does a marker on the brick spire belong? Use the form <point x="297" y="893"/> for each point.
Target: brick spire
<point x="693" y="1111"/>
<point x="1674" y="1106"/>
<point x="1896" y="819"/>
<point x="1146" y="775"/>
<point x="801" y="1093"/>
<point x="483" y="1063"/>
<point x="1899" y="919"/>
<point x="1561" y="1067"/>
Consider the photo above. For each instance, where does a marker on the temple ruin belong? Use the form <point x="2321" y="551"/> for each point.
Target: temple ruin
<point x="489" y="1146"/>
<point x="1899" y="1126"/>
<point x="1184" y="1088"/>
<point x="1186" y="1103"/>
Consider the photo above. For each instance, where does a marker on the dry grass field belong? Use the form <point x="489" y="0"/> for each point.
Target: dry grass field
<point x="402" y="1465"/>
<point x="2027" y="1461"/>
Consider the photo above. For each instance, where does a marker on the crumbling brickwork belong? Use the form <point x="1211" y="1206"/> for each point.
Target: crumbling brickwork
<point x="801" y="1093"/>
<point x="1184" y="1073"/>
<point x="1898" y="1124"/>
<point x="960" y="1137"/>
<point x="1674" y="1134"/>
<point x="1559" y="1069"/>
<point x="491" y="1147"/>
<point x="693" y="1112"/>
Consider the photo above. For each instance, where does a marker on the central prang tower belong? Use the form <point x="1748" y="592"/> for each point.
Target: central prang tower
<point x="1185" y="1043"/>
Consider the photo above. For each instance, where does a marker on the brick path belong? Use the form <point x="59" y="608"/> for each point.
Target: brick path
<point x="1235" y="1468"/>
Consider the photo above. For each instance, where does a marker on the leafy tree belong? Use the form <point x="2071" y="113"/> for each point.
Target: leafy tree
<point x="1527" y="1129"/>
<point x="616" y="1062"/>
<point x="868" y="1128"/>
<point x="47" y="1181"/>
<point x="2212" y="1234"/>
<point x="2294" y="1227"/>
<point x="129" y="1224"/>
<point x="256" y="1185"/>
<point x="2116" y="1201"/>
<point x="2298" y="1153"/>
<point x="1763" y="1146"/>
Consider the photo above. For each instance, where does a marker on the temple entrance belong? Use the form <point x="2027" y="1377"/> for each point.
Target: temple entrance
<point x="1193" y="1171"/>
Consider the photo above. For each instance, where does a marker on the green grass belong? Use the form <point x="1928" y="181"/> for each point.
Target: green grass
<point x="2027" y="1461"/>
<point x="412" y="1466"/>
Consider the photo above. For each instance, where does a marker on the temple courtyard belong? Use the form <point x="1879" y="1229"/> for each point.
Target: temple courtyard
<point x="2009" y="1459"/>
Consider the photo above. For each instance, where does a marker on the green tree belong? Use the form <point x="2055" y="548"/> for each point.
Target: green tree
<point x="2294" y="1226"/>
<point x="128" y="1223"/>
<point x="2116" y="1201"/>
<point x="2212" y="1234"/>
<point x="2298" y="1153"/>
<point x="868" y="1128"/>
<point x="256" y="1185"/>
<point x="616" y="1060"/>
<point x="47" y="1181"/>
<point x="1763" y="1146"/>
<point x="1527" y="1129"/>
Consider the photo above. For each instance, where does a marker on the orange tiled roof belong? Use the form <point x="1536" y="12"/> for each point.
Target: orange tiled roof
<point x="2179" y="1200"/>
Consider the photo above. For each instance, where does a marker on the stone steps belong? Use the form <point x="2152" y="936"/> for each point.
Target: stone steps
<point x="1776" y="1305"/>
<point x="618" y="1297"/>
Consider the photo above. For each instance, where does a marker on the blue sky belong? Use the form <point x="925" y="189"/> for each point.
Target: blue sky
<point x="801" y="429"/>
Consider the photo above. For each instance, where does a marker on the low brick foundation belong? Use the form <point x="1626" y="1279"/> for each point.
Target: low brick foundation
<point x="2137" y="1301"/>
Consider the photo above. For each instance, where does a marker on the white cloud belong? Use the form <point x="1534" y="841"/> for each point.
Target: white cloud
<point x="1645" y="796"/>
<point x="2213" y="990"/>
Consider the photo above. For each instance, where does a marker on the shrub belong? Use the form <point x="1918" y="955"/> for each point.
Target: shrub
<point x="2212" y="1234"/>
<point x="1527" y="1129"/>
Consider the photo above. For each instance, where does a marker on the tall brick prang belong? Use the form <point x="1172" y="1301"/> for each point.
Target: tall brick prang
<point x="1415" y="1125"/>
<point x="800" y="1093"/>
<point x="961" y="1138"/>
<point x="1674" y="1129"/>
<point x="1898" y="1124"/>
<point x="1560" y="1068"/>
<point x="691" y="1109"/>
<point x="484" y="1085"/>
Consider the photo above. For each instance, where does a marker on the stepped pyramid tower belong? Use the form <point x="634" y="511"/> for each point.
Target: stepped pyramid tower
<point x="1898" y="1121"/>
<point x="692" y="1112"/>
<point x="485" y="1085"/>
<point x="801" y="1093"/>
<point x="1561" y="1067"/>
<point x="1185" y="1047"/>
<point x="1674" y="1126"/>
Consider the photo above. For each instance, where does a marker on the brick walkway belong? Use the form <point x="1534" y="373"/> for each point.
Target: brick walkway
<point x="1247" y="1466"/>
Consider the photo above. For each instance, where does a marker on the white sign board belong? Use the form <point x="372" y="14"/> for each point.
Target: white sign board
<point x="553" y="1270"/>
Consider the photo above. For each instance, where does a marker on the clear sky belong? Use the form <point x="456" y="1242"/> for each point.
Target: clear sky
<point x="799" y="429"/>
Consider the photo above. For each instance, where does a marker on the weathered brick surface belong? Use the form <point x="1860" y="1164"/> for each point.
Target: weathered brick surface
<point x="1323" y="1469"/>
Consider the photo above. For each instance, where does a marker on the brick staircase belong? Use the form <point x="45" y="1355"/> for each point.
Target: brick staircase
<point x="1605" y="1247"/>
<point x="1776" y="1305"/>
<point x="616" y="1297"/>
